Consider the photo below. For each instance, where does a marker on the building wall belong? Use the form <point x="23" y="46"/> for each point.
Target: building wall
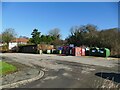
<point x="12" y="45"/>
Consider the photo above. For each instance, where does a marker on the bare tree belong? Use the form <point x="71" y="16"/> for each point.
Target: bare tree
<point x="55" y="32"/>
<point x="8" y="35"/>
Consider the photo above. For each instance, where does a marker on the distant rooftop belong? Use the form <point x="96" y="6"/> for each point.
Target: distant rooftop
<point x="25" y="40"/>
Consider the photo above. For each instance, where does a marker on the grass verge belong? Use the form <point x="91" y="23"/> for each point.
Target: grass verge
<point x="6" y="68"/>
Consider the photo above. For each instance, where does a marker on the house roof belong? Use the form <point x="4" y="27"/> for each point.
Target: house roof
<point x="25" y="40"/>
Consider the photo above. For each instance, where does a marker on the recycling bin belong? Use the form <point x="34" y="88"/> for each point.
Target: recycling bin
<point x="40" y="51"/>
<point x="94" y="51"/>
<point x="60" y="51"/>
<point x="104" y="52"/>
<point x="87" y="51"/>
<point x="48" y="51"/>
<point x="76" y="51"/>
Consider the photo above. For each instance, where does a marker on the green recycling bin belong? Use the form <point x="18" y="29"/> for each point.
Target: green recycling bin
<point x="104" y="52"/>
<point x="94" y="51"/>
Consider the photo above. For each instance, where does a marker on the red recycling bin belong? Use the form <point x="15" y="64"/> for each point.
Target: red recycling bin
<point x="78" y="51"/>
<point x="83" y="52"/>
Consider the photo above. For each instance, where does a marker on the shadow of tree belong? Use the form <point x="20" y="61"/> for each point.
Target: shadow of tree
<point x="110" y="76"/>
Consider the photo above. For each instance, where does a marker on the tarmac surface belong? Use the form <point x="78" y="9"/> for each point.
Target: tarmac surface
<point x="63" y="71"/>
<point x="23" y="72"/>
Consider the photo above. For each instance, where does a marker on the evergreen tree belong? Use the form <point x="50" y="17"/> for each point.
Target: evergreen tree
<point x="35" y="36"/>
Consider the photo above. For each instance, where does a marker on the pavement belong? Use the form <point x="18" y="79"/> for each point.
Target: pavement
<point x="23" y="75"/>
<point x="39" y="71"/>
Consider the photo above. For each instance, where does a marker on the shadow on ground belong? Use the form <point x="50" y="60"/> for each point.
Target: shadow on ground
<point x="110" y="76"/>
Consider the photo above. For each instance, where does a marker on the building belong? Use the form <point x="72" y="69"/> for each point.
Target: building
<point x="20" y="40"/>
<point x="15" y="42"/>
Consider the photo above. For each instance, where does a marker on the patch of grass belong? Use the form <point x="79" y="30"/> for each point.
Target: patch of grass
<point x="6" y="68"/>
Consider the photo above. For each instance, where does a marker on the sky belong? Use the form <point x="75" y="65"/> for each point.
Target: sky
<point x="26" y="16"/>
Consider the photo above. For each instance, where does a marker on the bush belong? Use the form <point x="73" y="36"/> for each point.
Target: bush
<point x="4" y="48"/>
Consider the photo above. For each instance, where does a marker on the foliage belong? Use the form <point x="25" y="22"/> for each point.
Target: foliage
<point x="55" y="33"/>
<point x="52" y="38"/>
<point x="8" y="35"/>
<point x="4" y="48"/>
<point x="35" y="37"/>
<point x="83" y="35"/>
<point x="46" y="39"/>
<point x="89" y="35"/>
<point x="109" y="38"/>
<point x="0" y="38"/>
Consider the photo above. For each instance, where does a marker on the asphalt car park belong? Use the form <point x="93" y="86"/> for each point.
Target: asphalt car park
<point x="68" y="71"/>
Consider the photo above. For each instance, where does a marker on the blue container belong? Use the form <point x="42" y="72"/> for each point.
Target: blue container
<point x="60" y="48"/>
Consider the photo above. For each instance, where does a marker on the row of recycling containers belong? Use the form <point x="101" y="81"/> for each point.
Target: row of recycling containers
<point x="65" y="50"/>
<point x="80" y="51"/>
